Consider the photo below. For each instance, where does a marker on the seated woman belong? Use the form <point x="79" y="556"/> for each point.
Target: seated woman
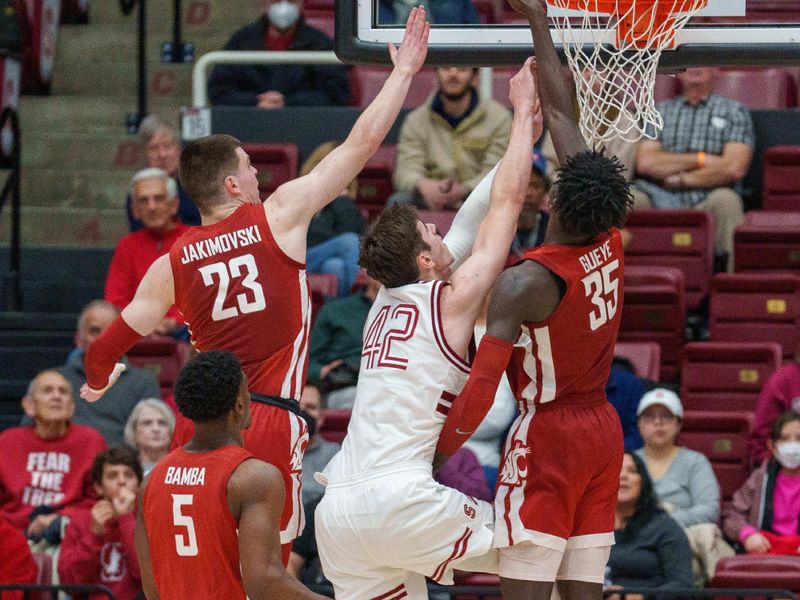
<point x="683" y="479"/>
<point x="765" y="511"/>
<point x="149" y="431"/>
<point x="650" y="550"/>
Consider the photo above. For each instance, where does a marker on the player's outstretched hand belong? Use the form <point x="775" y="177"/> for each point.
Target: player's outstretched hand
<point x="91" y="395"/>
<point x="528" y="7"/>
<point x="414" y="47"/>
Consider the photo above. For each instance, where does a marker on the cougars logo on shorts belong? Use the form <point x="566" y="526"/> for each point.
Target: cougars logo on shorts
<point x="515" y="468"/>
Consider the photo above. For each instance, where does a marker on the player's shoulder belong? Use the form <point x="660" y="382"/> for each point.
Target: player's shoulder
<point x="523" y="277"/>
<point x="253" y="474"/>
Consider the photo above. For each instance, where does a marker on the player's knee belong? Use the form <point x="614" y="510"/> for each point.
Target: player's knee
<point x="584" y="564"/>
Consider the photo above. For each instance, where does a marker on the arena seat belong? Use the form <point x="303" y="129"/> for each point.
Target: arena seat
<point x="477" y="580"/>
<point x="645" y="357"/>
<point x="489" y="11"/>
<point x="323" y="286"/>
<point x="443" y="219"/>
<point x="767" y="241"/>
<point x="501" y="83"/>
<point x="758" y="571"/>
<point x="726" y="376"/>
<point x="164" y="356"/>
<point x="666" y="87"/>
<point x="375" y="180"/>
<point x="322" y="20"/>
<point x="683" y="239"/>
<point x="655" y="311"/>
<point x="781" y="173"/>
<point x="319" y="5"/>
<point x="334" y="427"/>
<point x="722" y="438"/>
<point x="276" y="164"/>
<point x="758" y="89"/>
<point x="366" y="82"/>
<point x="756" y="308"/>
<point x="39" y="21"/>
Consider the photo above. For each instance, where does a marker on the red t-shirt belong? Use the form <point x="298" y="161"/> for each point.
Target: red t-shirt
<point x="194" y="545"/>
<point x="239" y="292"/>
<point x="132" y="257"/>
<point x="109" y="560"/>
<point x="16" y="562"/>
<point x="36" y="472"/>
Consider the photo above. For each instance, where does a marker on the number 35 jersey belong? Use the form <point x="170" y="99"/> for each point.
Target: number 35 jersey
<point x="408" y="379"/>
<point x="569" y="354"/>
<point x="240" y="292"/>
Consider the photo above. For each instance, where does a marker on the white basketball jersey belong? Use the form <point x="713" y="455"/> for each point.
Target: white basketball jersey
<point x="408" y="379"/>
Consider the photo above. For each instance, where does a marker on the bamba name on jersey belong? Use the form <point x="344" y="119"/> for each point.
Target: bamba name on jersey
<point x="185" y="476"/>
<point x="220" y="244"/>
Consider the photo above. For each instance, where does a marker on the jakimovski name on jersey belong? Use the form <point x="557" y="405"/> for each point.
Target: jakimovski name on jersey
<point x="221" y="243"/>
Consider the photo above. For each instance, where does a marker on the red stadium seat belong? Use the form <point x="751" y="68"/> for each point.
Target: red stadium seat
<point x="501" y="78"/>
<point x="655" y="311"/>
<point x="164" y="356"/>
<point x="645" y="357"/>
<point x="756" y="308"/>
<point x="683" y="239"/>
<point x="366" y="82"/>
<point x="722" y="438"/>
<point x="758" y="571"/>
<point x="319" y="5"/>
<point x="489" y="11"/>
<point x="477" y="580"/>
<point x="276" y="164"/>
<point x="334" y="426"/>
<point x="666" y="87"/>
<point x="323" y="286"/>
<point x="443" y="219"/>
<point x="758" y="89"/>
<point x="767" y="241"/>
<point x="726" y="376"/>
<point x="375" y="180"/>
<point x="780" y="189"/>
<point x="39" y="20"/>
<point x="322" y="20"/>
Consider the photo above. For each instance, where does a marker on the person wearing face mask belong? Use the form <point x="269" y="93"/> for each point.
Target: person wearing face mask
<point x="764" y="516"/>
<point x="281" y="27"/>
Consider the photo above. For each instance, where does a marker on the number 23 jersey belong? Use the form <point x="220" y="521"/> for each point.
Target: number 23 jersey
<point x="569" y="354"/>
<point x="240" y="292"/>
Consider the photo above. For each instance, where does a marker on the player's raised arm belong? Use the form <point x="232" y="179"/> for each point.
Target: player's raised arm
<point x="558" y="95"/>
<point x="299" y="200"/>
<point x="255" y="493"/>
<point x="154" y="296"/>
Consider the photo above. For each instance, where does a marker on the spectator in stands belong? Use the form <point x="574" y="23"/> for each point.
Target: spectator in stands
<point x="107" y="417"/>
<point x="155" y="203"/>
<point x="441" y="12"/>
<point x="281" y="27"/>
<point x="162" y="150"/>
<point x="334" y="355"/>
<point x="447" y="145"/>
<point x="149" y="431"/>
<point x="683" y="479"/>
<point x="16" y="561"/>
<point x="43" y="466"/>
<point x="781" y="392"/>
<point x="624" y="390"/>
<point x="534" y="217"/>
<point x="98" y="546"/>
<point x="334" y="233"/>
<point x="700" y="157"/>
<point x="763" y="516"/>
<point x="304" y="560"/>
<point x="650" y="549"/>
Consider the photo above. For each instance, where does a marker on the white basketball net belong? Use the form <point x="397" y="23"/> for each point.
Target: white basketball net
<point x="615" y="68"/>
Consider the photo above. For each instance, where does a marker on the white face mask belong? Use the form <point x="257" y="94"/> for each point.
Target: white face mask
<point x="283" y="15"/>
<point x="788" y="454"/>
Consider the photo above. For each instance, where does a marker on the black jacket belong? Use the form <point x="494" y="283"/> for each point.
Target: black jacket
<point x="301" y="85"/>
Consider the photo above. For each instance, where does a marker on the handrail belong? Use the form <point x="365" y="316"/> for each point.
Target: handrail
<point x="295" y="57"/>
<point x="12" y="299"/>
<point x="72" y="589"/>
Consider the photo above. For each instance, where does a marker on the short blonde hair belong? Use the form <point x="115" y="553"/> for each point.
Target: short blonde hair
<point x="316" y="157"/>
<point x="159" y="405"/>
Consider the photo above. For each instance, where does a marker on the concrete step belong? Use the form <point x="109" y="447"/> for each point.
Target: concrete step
<point x="75" y="188"/>
<point x="71" y="150"/>
<point x="197" y="15"/>
<point x="119" y="78"/>
<point x="75" y="227"/>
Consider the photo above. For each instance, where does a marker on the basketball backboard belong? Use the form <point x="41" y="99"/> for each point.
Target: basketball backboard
<point x="725" y="33"/>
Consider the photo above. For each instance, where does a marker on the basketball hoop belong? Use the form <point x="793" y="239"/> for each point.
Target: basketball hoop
<point x="612" y="48"/>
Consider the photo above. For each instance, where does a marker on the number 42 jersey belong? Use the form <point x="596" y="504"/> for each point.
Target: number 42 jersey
<point x="569" y="354"/>
<point x="240" y="292"/>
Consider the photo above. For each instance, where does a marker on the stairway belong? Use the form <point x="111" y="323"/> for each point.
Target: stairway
<point x="77" y="157"/>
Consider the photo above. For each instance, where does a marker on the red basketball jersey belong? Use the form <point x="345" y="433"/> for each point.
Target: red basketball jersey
<point x="240" y="292"/>
<point x="194" y="545"/>
<point x="568" y="356"/>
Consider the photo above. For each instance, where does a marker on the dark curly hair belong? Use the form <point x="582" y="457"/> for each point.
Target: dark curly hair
<point x="390" y="247"/>
<point x="121" y="455"/>
<point x="592" y="194"/>
<point x="207" y="387"/>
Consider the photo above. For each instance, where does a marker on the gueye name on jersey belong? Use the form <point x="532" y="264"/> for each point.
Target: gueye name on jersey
<point x="593" y="259"/>
<point x="220" y="244"/>
<point x="185" y="476"/>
